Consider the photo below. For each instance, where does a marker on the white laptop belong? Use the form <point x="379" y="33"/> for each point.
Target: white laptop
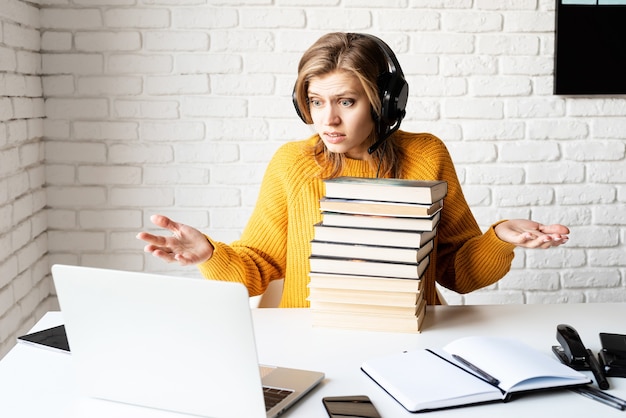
<point x="170" y="344"/>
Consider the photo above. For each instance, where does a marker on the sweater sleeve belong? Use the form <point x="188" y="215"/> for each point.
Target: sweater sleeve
<point x="259" y="256"/>
<point x="479" y="262"/>
<point x="466" y="258"/>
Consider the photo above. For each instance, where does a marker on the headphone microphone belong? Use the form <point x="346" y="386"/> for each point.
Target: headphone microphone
<point x="393" y="91"/>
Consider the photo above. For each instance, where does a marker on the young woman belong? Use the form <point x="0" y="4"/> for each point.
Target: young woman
<point x="351" y="88"/>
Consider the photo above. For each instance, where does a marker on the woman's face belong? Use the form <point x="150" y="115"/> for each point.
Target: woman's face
<point x="341" y="113"/>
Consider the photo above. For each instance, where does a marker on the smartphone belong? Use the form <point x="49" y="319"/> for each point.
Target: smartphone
<point x="613" y="343"/>
<point x="359" y="406"/>
<point x="613" y="354"/>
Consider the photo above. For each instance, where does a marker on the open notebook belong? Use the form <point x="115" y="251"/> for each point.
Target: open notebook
<point x="468" y="371"/>
<point x="169" y="343"/>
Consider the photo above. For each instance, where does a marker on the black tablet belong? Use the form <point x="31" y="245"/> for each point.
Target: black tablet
<point x="52" y="337"/>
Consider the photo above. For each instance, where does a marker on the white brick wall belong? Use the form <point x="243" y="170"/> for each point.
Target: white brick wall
<point x="25" y="290"/>
<point x="154" y="107"/>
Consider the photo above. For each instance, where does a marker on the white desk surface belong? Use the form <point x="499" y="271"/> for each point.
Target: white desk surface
<point x="36" y="382"/>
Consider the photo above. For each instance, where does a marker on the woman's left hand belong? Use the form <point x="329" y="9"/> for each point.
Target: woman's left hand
<point x="530" y="234"/>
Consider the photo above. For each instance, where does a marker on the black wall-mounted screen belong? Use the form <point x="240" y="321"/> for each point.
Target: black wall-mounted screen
<point x="590" y="50"/>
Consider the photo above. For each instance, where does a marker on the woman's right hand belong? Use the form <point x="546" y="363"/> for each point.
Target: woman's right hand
<point x="185" y="246"/>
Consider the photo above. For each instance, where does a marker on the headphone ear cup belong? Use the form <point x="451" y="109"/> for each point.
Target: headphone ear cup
<point x="394" y="92"/>
<point x="295" y="104"/>
<point x="385" y="97"/>
<point x="400" y="95"/>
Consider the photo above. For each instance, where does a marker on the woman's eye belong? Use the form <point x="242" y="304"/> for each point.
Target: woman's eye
<point x="315" y="103"/>
<point x="346" y="102"/>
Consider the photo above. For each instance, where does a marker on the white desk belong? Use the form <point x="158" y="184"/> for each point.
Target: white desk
<point x="35" y="382"/>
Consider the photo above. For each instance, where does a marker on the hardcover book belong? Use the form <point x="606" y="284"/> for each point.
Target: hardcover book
<point x="371" y="283"/>
<point x="356" y="308"/>
<point x="370" y="236"/>
<point x="368" y="267"/>
<point x="373" y="207"/>
<point x="381" y="298"/>
<point x="388" y="190"/>
<point x="371" y="321"/>
<point x="381" y="222"/>
<point x="371" y="252"/>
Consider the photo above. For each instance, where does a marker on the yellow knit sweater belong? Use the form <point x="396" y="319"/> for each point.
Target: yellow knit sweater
<point x="276" y="242"/>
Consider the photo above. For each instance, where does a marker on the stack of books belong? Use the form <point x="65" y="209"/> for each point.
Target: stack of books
<point x="370" y="251"/>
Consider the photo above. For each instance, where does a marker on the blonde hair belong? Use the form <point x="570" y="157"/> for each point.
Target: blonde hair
<point x="362" y="57"/>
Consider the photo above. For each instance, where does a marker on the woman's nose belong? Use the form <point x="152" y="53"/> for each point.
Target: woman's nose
<point x="331" y="116"/>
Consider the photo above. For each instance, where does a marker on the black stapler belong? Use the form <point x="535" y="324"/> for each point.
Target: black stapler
<point x="573" y="353"/>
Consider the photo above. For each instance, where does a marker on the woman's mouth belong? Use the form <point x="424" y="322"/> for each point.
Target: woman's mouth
<point x="334" y="137"/>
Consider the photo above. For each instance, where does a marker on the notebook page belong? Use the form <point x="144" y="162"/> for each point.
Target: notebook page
<point x="518" y="366"/>
<point x="421" y="380"/>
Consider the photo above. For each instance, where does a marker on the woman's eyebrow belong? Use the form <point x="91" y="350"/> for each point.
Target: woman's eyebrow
<point x="340" y="94"/>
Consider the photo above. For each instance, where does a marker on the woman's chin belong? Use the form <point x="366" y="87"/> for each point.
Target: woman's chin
<point x="336" y="148"/>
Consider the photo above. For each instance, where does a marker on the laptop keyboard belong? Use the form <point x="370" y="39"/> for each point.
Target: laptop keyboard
<point x="273" y="396"/>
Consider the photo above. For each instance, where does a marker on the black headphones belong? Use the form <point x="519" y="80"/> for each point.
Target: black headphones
<point x="393" y="91"/>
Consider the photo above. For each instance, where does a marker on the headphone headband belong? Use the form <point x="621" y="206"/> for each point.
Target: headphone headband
<point x="394" y="91"/>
